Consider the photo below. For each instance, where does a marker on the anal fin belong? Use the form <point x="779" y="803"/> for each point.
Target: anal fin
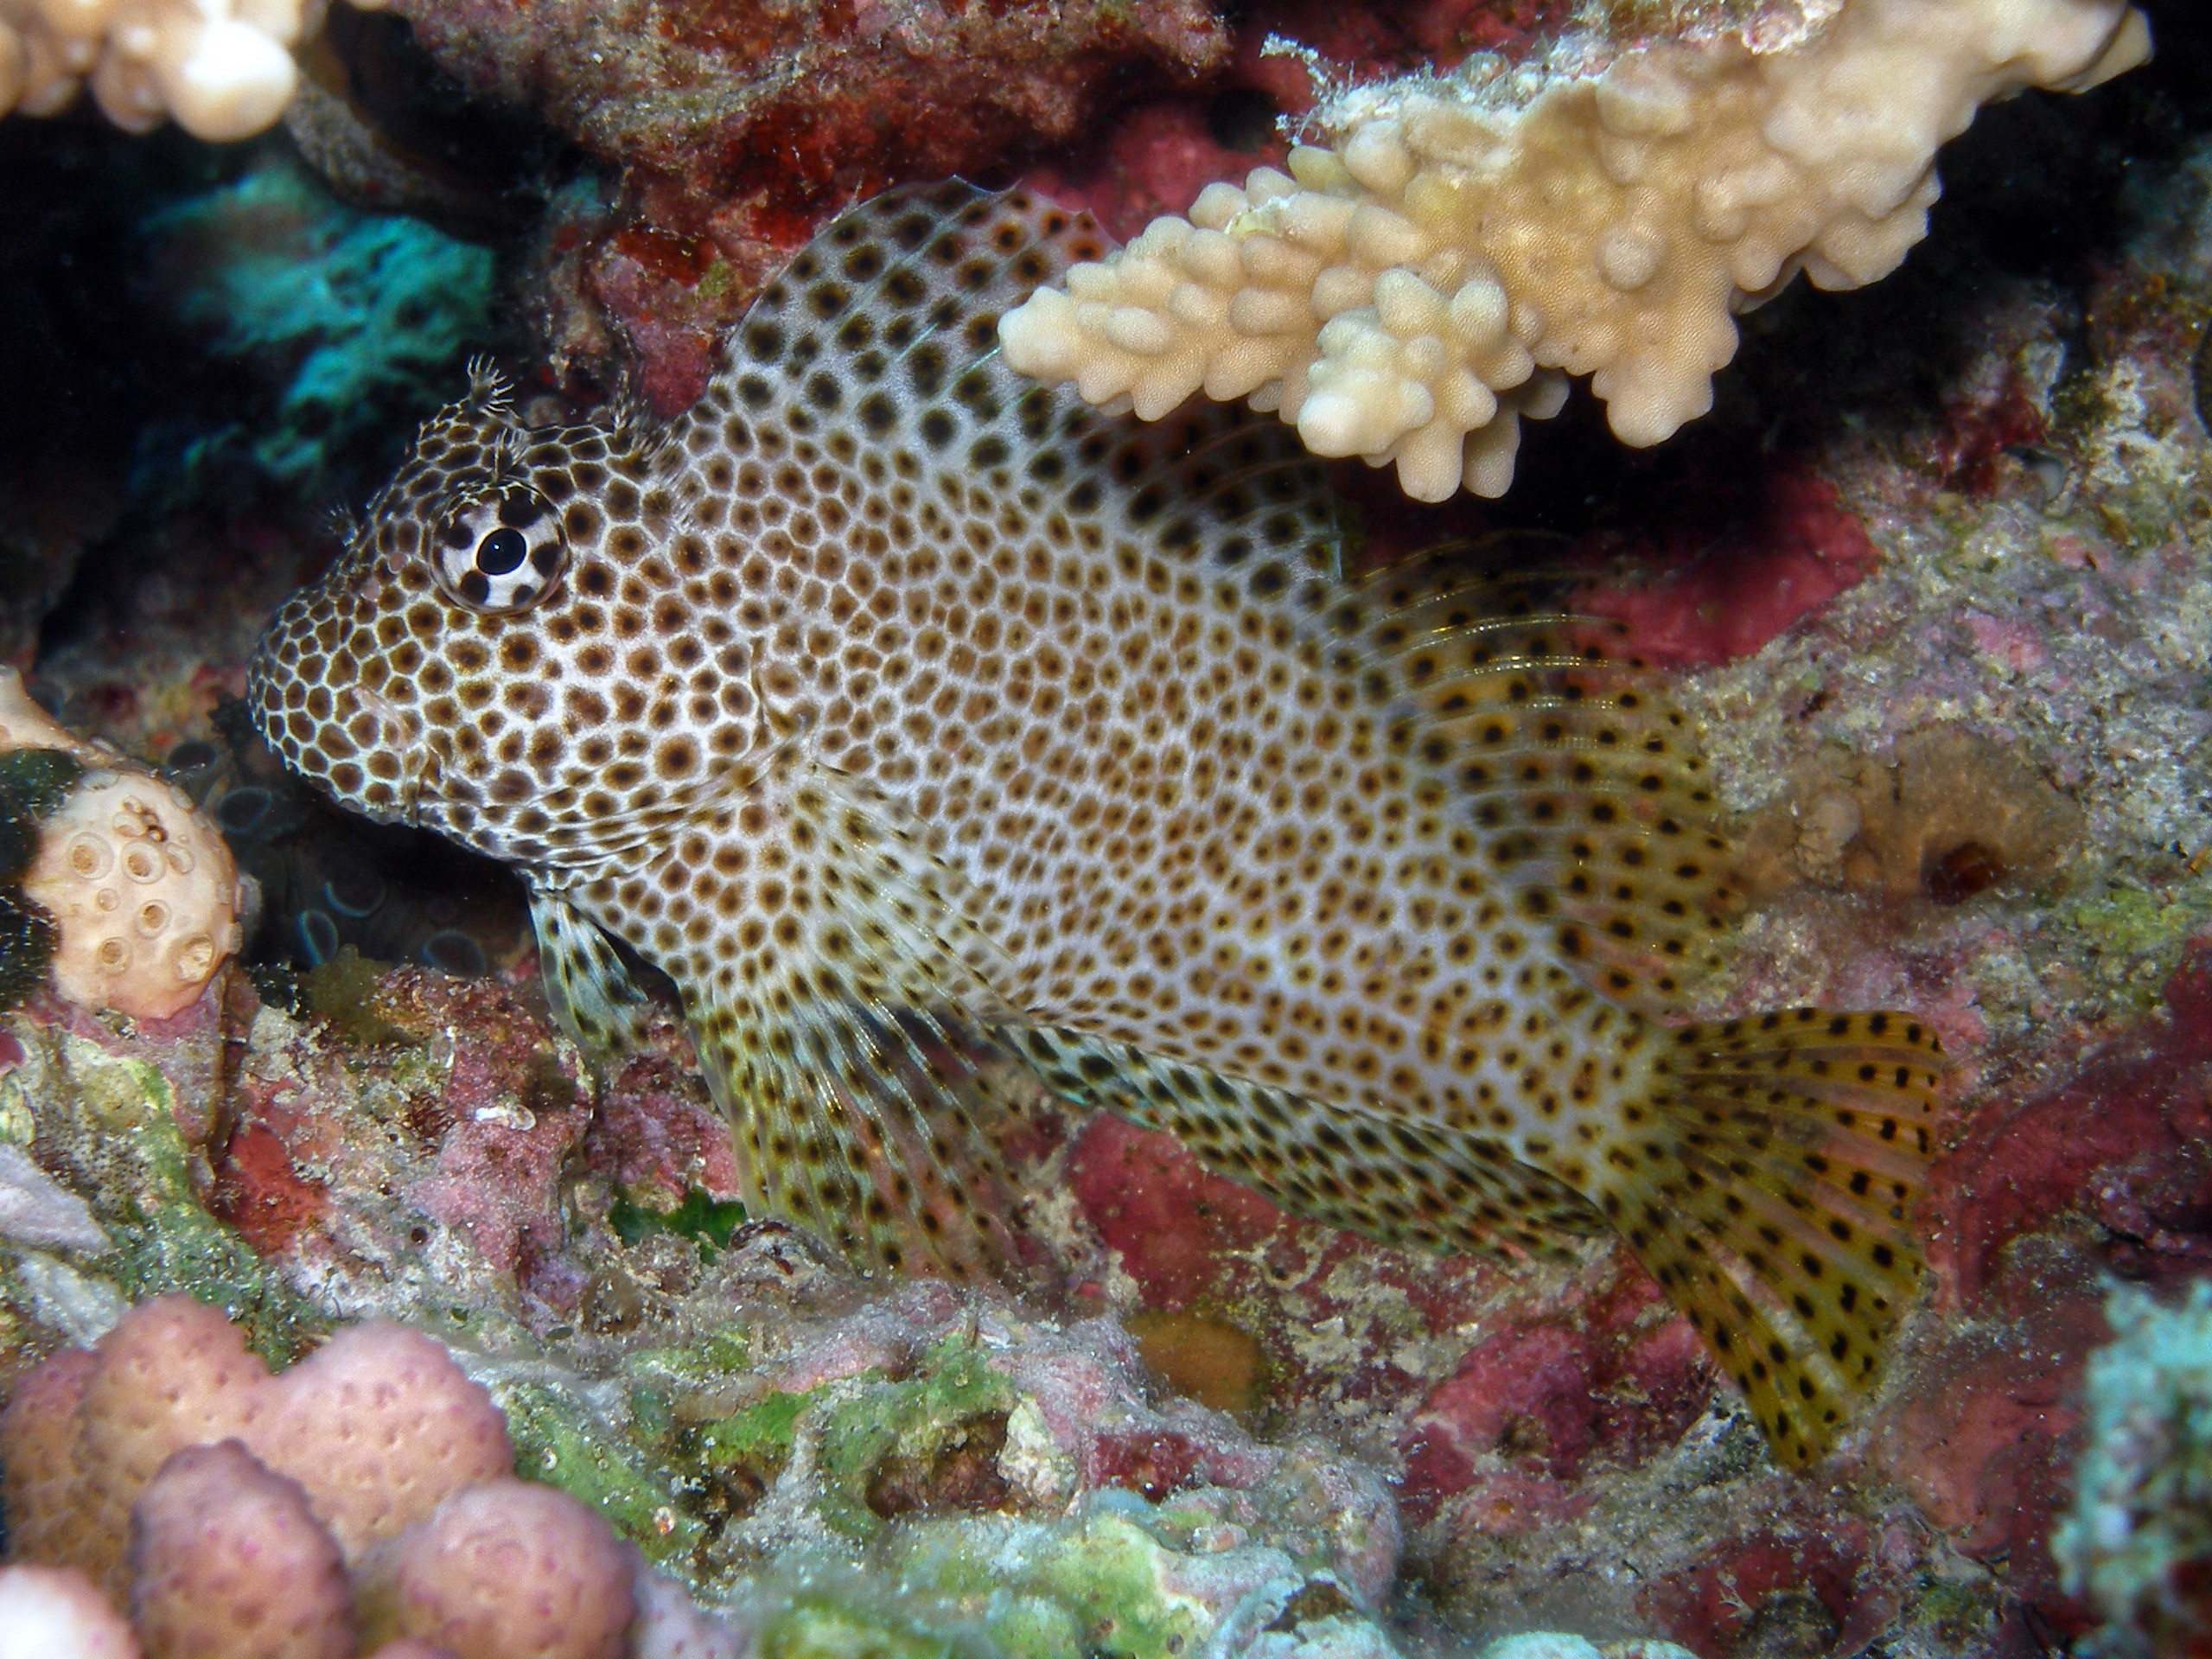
<point x="1403" y="1180"/>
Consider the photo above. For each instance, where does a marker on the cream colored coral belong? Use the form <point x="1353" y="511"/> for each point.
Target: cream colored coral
<point x="221" y="68"/>
<point x="23" y="724"/>
<point x="1410" y="294"/>
<point x="144" y="896"/>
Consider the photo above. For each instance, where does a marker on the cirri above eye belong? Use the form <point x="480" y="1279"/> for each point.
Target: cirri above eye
<point x="501" y="551"/>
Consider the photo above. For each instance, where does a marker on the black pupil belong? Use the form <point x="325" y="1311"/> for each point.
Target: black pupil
<point x="502" y="550"/>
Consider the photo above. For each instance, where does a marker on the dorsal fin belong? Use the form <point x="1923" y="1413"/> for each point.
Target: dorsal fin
<point x="1586" y="792"/>
<point x="896" y="298"/>
<point x="877" y="347"/>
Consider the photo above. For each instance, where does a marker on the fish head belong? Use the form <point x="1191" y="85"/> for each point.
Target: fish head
<point x="505" y="651"/>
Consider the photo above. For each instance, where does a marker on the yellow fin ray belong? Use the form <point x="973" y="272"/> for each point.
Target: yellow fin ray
<point x="1773" y="1216"/>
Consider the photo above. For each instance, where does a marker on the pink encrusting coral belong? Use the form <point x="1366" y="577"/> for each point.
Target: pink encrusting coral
<point x="226" y="1559"/>
<point x="178" y="1375"/>
<point x="241" y="1514"/>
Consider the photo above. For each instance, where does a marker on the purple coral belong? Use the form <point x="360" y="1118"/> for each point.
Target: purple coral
<point x="228" y="1560"/>
<point x="257" y="1504"/>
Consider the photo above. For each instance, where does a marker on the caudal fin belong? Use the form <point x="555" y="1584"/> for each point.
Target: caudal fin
<point x="1764" y="1180"/>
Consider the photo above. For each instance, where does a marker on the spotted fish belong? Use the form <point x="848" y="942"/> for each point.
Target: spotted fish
<point x="935" y="731"/>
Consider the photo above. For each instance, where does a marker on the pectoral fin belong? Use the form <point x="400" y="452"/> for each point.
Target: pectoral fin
<point x="594" y="998"/>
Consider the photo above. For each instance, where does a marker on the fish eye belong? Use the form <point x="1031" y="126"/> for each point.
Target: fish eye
<point x="501" y="552"/>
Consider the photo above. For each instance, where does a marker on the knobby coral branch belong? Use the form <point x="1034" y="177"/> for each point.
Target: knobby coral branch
<point x="1407" y="295"/>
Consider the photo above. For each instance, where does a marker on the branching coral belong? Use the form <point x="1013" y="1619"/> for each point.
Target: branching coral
<point x="1408" y="295"/>
<point x="220" y="69"/>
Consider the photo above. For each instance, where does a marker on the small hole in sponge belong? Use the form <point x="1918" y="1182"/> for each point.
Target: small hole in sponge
<point x="1954" y="877"/>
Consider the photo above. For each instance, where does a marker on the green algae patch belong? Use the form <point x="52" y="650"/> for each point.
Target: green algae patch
<point x="558" y="1441"/>
<point x="705" y="1220"/>
<point x="819" y="1627"/>
<point x="2133" y="922"/>
<point x="759" y="1438"/>
<point x="113" y="1121"/>
<point x="1108" y="1571"/>
<point x="2140" y="933"/>
<point x="877" y="1443"/>
<point x="1097" y="1586"/>
<point x="724" y="1353"/>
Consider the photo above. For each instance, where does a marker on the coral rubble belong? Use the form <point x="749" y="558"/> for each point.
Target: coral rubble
<point x="1411" y="293"/>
